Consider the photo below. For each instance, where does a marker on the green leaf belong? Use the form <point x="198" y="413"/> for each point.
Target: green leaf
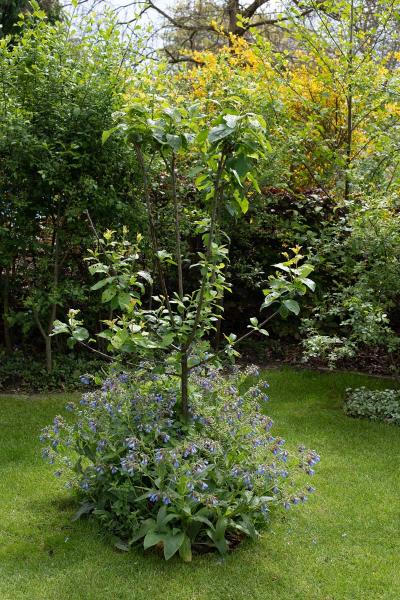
<point x="100" y="284"/>
<point x="309" y="283"/>
<point x="152" y="538"/>
<point x="219" y="133"/>
<point x="80" y="334"/>
<point x="124" y="299"/>
<point x="172" y="543"/>
<point x="231" y="120"/>
<point x="59" y="327"/>
<point x="108" y="294"/>
<point x="145" y="275"/>
<point x="85" y="508"/>
<point x="241" y="164"/>
<point x="185" y="551"/>
<point x="220" y="527"/>
<point x="174" y="142"/>
<point x="121" y="545"/>
<point x="292" y="306"/>
<point x="144" y="528"/>
<point x="106" y="134"/>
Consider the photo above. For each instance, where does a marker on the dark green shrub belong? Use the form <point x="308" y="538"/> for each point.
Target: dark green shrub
<point x="22" y="372"/>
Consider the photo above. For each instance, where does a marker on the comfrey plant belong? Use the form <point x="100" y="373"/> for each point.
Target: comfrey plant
<point x="178" y="454"/>
<point x="154" y="480"/>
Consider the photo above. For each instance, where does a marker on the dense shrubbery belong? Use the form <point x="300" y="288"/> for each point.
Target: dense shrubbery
<point x="152" y="478"/>
<point x="328" y="180"/>
<point x="22" y="372"/>
<point x="377" y="405"/>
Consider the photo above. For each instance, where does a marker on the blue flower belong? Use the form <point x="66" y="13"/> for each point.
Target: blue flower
<point x="123" y="377"/>
<point x="247" y="481"/>
<point x="108" y="384"/>
<point x="84" y="379"/>
<point x="101" y="445"/>
<point x="92" y="425"/>
<point x="159" y="455"/>
<point x="131" y="442"/>
<point x="153" y="497"/>
<point x="192" y="449"/>
<point x="166" y="500"/>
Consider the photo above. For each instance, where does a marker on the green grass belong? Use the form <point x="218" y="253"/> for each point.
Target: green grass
<point x="344" y="544"/>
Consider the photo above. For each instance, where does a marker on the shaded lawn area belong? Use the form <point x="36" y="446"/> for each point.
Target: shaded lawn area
<point x="344" y="544"/>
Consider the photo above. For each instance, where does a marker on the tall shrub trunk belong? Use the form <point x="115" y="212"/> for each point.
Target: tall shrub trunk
<point x="6" y="310"/>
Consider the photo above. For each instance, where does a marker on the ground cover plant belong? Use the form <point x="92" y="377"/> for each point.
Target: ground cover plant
<point x="377" y="405"/>
<point x="343" y="543"/>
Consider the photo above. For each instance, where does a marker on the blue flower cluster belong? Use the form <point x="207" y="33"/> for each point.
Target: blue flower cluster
<point x="130" y="453"/>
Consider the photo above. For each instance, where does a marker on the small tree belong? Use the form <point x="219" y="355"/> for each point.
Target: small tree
<point x="176" y="325"/>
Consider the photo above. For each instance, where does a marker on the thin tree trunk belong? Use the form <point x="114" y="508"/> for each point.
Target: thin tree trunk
<point x="53" y="310"/>
<point x="184" y="385"/>
<point x="49" y="354"/>
<point x="214" y="211"/>
<point x="6" y="311"/>
<point x="233" y="11"/>
<point x="220" y="311"/>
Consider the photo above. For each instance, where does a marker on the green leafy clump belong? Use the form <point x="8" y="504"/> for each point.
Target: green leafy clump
<point x="377" y="405"/>
<point x="151" y="478"/>
<point x="22" y="372"/>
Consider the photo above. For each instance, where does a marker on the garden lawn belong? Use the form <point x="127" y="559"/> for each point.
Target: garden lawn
<point x="343" y="544"/>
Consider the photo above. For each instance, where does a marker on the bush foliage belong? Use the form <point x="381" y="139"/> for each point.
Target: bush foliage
<point x="327" y="179"/>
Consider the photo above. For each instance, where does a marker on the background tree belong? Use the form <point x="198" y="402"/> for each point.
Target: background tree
<point x="58" y="97"/>
<point x="10" y="10"/>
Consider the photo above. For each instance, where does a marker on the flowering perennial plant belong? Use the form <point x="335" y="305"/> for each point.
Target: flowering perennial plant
<point x="153" y="478"/>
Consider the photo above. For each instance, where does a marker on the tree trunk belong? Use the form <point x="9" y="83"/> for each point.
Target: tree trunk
<point x="49" y="354"/>
<point x="6" y="310"/>
<point x="184" y="386"/>
<point x="233" y="11"/>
